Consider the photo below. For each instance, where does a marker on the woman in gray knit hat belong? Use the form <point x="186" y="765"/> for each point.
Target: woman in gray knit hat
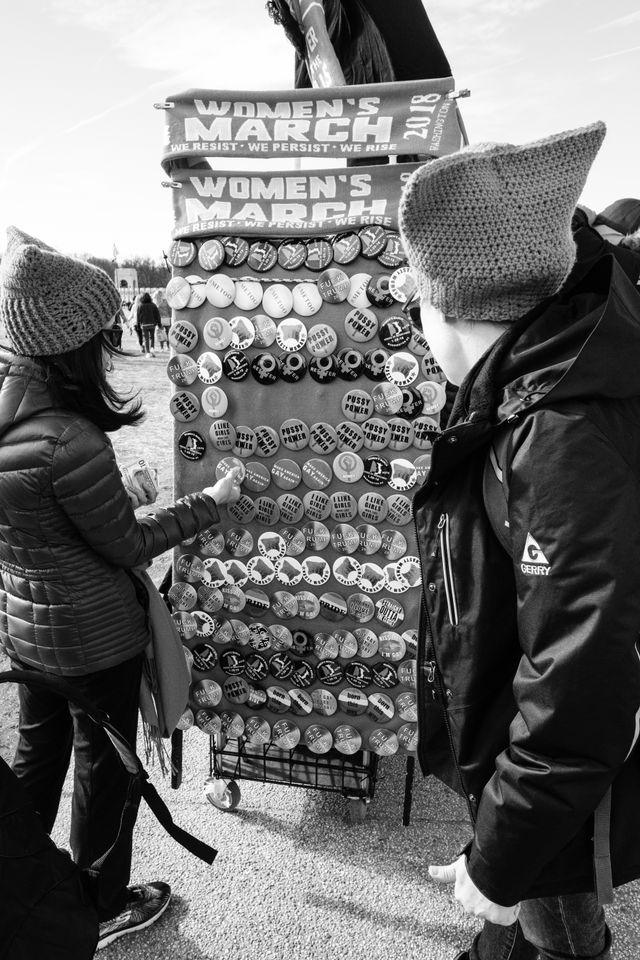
<point x="68" y="539"/>
<point x="529" y="534"/>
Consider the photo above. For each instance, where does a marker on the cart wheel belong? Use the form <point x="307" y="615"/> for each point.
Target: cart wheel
<point x="223" y="794"/>
<point x="357" y="810"/>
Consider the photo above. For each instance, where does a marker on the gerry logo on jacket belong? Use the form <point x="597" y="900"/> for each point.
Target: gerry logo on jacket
<point x="534" y="561"/>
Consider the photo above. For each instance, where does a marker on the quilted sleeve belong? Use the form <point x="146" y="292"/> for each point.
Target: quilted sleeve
<point x="88" y="487"/>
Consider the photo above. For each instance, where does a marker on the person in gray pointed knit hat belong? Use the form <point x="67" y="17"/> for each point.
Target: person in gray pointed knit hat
<point x="69" y="541"/>
<point x="529" y="539"/>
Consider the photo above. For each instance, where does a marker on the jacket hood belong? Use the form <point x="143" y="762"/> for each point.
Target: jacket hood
<point x="584" y="343"/>
<point x="23" y="391"/>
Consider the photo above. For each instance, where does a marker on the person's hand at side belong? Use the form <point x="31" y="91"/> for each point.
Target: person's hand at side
<point x="226" y="490"/>
<point x="468" y="895"/>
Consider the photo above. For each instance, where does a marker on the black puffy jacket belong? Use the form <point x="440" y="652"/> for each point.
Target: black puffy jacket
<point x="529" y="671"/>
<point x="68" y="534"/>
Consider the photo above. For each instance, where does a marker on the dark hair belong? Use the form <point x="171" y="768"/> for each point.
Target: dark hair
<point x="78" y="382"/>
<point x="146" y="297"/>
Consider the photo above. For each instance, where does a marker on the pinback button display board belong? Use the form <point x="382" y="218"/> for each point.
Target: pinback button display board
<point x="301" y="366"/>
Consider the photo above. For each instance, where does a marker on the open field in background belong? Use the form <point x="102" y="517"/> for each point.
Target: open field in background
<point x="293" y="880"/>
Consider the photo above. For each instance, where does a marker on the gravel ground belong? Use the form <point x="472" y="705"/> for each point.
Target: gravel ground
<point x="293" y="879"/>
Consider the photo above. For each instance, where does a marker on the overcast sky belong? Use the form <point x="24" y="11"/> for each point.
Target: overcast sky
<point x="81" y="140"/>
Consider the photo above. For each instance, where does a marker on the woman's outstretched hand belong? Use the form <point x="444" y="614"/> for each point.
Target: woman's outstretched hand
<point x="227" y="490"/>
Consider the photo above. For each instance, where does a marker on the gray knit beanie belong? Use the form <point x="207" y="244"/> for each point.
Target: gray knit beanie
<point x="487" y="230"/>
<point x="51" y="303"/>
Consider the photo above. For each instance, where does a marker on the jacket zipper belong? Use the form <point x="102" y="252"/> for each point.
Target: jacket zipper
<point x="447" y="568"/>
<point x="434" y="677"/>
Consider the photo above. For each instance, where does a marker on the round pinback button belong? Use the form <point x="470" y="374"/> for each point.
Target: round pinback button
<point x="346" y="739"/>
<point x="344" y="506"/>
<point x="243" y="511"/>
<point x="403" y="475"/>
<point x="395" y="333"/>
<point x="257" y="698"/>
<point x="291" y="335"/>
<point x="294" y="539"/>
<point x="288" y="571"/>
<point x="393" y="254"/>
<point x="378" y="292"/>
<point x="293" y="367"/>
<point x="350" y="364"/>
<point x="177" y="293"/>
<point x="401" y="434"/>
<point x="210" y="599"/>
<point x="303" y="675"/>
<point x="422" y="465"/>
<point x="265" y="368"/>
<point x="322" y="340"/>
<point x="286" y="474"/>
<point x="286" y="735"/>
<point x="267" y="511"/>
<point x="333" y="285"/>
<point x="256" y="667"/>
<point x="319" y="254"/>
<point x="243" y="332"/>
<point x="208" y="721"/>
<point x="257" y="602"/>
<point x="191" y="445"/>
<point x="306" y="299"/>
<point x="222" y="435"/>
<point x="402" y="284"/>
<point x="235" y="365"/>
<point x="375" y="364"/>
<point x="389" y="612"/>
<point x="291" y="254"/>
<point x="316" y="535"/>
<point x="257" y="731"/>
<point x="182" y="370"/>
<point x="367" y="642"/>
<point x="209" y="368"/>
<point x="232" y="663"/>
<point x="233" y="598"/>
<point x="429" y="368"/>
<point x="262" y="256"/>
<point x="198" y="293"/>
<point x="386" y="398"/>
<point x="277" y="301"/>
<point x="333" y="606"/>
<point x="381" y="707"/>
<point x="247" y="294"/>
<point x="407" y="673"/>
<point x="409" y="570"/>
<point x="183" y="336"/>
<point x="265" y="330"/>
<point x="182" y="596"/>
<point x="281" y="637"/>
<point x="217" y="333"/>
<point x="358" y="675"/>
<point x="284" y="604"/>
<point x="373" y="239"/>
<point x="361" y="324"/>
<point x="301" y="702"/>
<point x="237" y="572"/>
<point x="402" y="369"/>
<point x="418" y="345"/>
<point x="350" y="436"/>
<point x="184" y="406"/>
<point x="384" y="675"/>
<point x="271" y="545"/>
<point x="318" y="738"/>
<point x="346" y="248"/>
<point x="393" y="544"/>
<point x="206" y="693"/>
<point x="316" y="571"/>
<point x="357" y="296"/>
<point x="211" y="254"/>
<point x="268" y="441"/>
<point x="281" y="666"/>
<point x="220" y="290"/>
<point x="236" y="250"/>
<point x="391" y="646"/>
<point x="347" y="644"/>
<point x="383" y="742"/>
<point x="344" y="539"/>
<point x="278" y="700"/>
<point x="246" y="442"/>
<point x="408" y="737"/>
<point x="377" y="434"/>
<point x="377" y="470"/>
<point x="181" y="253"/>
<point x="325" y="646"/>
<point x="412" y="403"/>
<point x="323" y="438"/>
<point x="346" y="571"/>
<point x="215" y="569"/>
<point x="257" y="477"/>
<point x="205" y="658"/>
<point x="291" y="508"/>
<point x="373" y="507"/>
<point x="425" y="431"/>
<point x="358" y="405"/>
<point x="323" y="369"/>
<point x="185" y="624"/>
<point x="407" y="706"/>
<point x="261" y="571"/>
<point x="210" y="542"/>
<point x="434" y="397"/>
<point x="316" y="474"/>
<point x="372" y="577"/>
<point x="308" y="605"/>
<point x="303" y="643"/>
<point x="360" y="608"/>
<point x="294" y="434"/>
<point x="348" y="467"/>
<point x="369" y="538"/>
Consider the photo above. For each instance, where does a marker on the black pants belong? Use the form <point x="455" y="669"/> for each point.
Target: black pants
<point x="49" y="727"/>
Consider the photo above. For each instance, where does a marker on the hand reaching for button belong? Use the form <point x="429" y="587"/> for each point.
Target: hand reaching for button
<point x="227" y="489"/>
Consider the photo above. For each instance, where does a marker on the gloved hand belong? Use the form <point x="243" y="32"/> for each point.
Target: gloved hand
<point x="468" y="895"/>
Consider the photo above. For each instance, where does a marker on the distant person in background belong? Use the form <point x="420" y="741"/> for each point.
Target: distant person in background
<point x="148" y="318"/>
<point x="165" y="319"/>
<point x="68" y="541"/>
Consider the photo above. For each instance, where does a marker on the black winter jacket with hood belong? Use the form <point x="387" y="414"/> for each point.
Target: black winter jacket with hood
<point x="529" y="672"/>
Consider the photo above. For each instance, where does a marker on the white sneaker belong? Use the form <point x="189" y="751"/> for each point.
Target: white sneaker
<point x="145" y="904"/>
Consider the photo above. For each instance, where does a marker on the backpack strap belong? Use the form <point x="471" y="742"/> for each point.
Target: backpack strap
<point x="139" y="778"/>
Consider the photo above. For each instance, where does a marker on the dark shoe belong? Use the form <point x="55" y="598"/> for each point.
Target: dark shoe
<point x="146" y="902"/>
